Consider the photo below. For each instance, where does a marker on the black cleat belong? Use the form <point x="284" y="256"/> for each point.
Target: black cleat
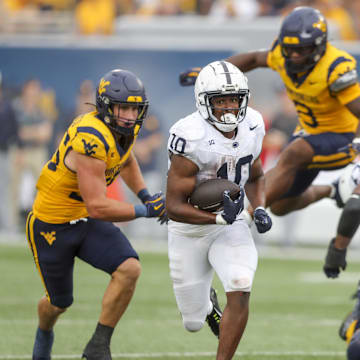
<point x="97" y="351"/>
<point x="214" y="318"/>
<point x="351" y="322"/>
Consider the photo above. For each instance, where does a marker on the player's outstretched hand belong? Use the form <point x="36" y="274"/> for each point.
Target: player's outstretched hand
<point x="334" y="261"/>
<point x="188" y="77"/>
<point x="232" y="208"/>
<point x="262" y="220"/>
<point x="155" y="206"/>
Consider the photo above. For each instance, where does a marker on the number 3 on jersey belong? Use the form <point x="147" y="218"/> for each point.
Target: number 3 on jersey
<point x="244" y="161"/>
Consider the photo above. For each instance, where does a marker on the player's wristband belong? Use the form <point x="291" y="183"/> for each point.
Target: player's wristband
<point x="260" y="207"/>
<point x="140" y="211"/>
<point x="143" y="195"/>
<point x="220" y="220"/>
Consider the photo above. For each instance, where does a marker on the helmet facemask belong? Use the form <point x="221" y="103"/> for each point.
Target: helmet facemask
<point x="304" y="30"/>
<point x="111" y="120"/>
<point x="310" y="54"/>
<point x="228" y="120"/>
<point x="220" y="79"/>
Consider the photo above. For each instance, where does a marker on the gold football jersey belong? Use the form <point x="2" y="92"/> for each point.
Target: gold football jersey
<point x="58" y="198"/>
<point x="320" y="96"/>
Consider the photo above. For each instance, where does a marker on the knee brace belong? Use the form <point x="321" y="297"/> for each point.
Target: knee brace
<point x="193" y="302"/>
<point x="350" y="217"/>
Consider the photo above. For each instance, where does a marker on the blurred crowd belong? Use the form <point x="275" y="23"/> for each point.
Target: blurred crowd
<point x="99" y="16"/>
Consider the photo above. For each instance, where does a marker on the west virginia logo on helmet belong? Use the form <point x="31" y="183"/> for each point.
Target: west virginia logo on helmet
<point x="102" y="86"/>
<point x="121" y="87"/>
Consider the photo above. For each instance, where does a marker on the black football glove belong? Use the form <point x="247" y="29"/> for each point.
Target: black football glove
<point x="155" y="206"/>
<point x="188" y="77"/>
<point x="146" y="198"/>
<point x="334" y="261"/>
<point x="262" y="220"/>
<point x="232" y="208"/>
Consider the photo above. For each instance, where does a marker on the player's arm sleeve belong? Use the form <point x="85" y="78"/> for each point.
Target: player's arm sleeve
<point x="90" y="142"/>
<point x="343" y="79"/>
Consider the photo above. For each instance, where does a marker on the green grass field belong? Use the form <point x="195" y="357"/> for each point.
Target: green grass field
<point x="295" y="312"/>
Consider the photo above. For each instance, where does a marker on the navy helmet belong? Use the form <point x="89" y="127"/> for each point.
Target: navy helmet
<point x="121" y="87"/>
<point x="303" y="30"/>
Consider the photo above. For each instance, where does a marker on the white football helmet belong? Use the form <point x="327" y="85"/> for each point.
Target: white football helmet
<point x="221" y="78"/>
<point x="348" y="181"/>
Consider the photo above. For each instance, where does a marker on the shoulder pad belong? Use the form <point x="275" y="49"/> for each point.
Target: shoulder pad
<point x="254" y="118"/>
<point x="191" y="128"/>
<point x="343" y="81"/>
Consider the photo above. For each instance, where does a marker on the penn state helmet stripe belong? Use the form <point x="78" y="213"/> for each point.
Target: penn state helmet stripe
<point x="90" y="130"/>
<point x="227" y="72"/>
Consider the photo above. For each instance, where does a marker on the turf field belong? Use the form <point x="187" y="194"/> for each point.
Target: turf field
<point x="295" y="312"/>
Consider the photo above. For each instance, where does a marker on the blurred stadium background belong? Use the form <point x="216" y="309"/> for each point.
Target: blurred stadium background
<point x="52" y="54"/>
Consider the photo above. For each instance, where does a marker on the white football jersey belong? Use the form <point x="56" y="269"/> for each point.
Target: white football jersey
<point x="215" y="155"/>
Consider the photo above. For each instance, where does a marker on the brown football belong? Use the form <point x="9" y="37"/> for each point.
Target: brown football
<point x="208" y="194"/>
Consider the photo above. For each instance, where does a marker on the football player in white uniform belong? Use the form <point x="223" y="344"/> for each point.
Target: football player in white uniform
<point x="222" y="139"/>
<point x="347" y="197"/>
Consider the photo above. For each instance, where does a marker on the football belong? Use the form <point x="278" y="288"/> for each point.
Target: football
<point x="208" y="194"/>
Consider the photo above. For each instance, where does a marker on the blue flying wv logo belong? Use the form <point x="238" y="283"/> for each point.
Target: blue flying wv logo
<point x="89" y="148"/>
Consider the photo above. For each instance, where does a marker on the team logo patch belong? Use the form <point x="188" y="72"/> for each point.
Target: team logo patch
<point x="50" y="237"/>
<point x="102" y="86"/>
<point x="321" y="25"/>
<point x="89" y="148"/>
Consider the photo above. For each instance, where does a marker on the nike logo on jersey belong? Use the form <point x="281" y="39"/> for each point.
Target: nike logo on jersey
<point x="253" y="128"/>
<point x="212" y="142"/>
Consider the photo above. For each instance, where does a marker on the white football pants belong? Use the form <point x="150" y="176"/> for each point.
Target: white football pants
<point x="229" y="251"/>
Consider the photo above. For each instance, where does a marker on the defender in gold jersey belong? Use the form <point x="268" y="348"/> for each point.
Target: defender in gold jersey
<point x="72" y="217"/>
<point x="322" y="82"/>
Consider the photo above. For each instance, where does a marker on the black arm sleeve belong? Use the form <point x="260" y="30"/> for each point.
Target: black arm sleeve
<point x="350" y="217"/>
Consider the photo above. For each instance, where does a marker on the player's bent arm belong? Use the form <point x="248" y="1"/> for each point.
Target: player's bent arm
<point x="255" y="186"/>
<point x="132" y="175"/>
<point x="181" y="182"/>
<point x="249" y="61"/>
<point x="92" y="185"/>
<point x="354" y="107"/>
